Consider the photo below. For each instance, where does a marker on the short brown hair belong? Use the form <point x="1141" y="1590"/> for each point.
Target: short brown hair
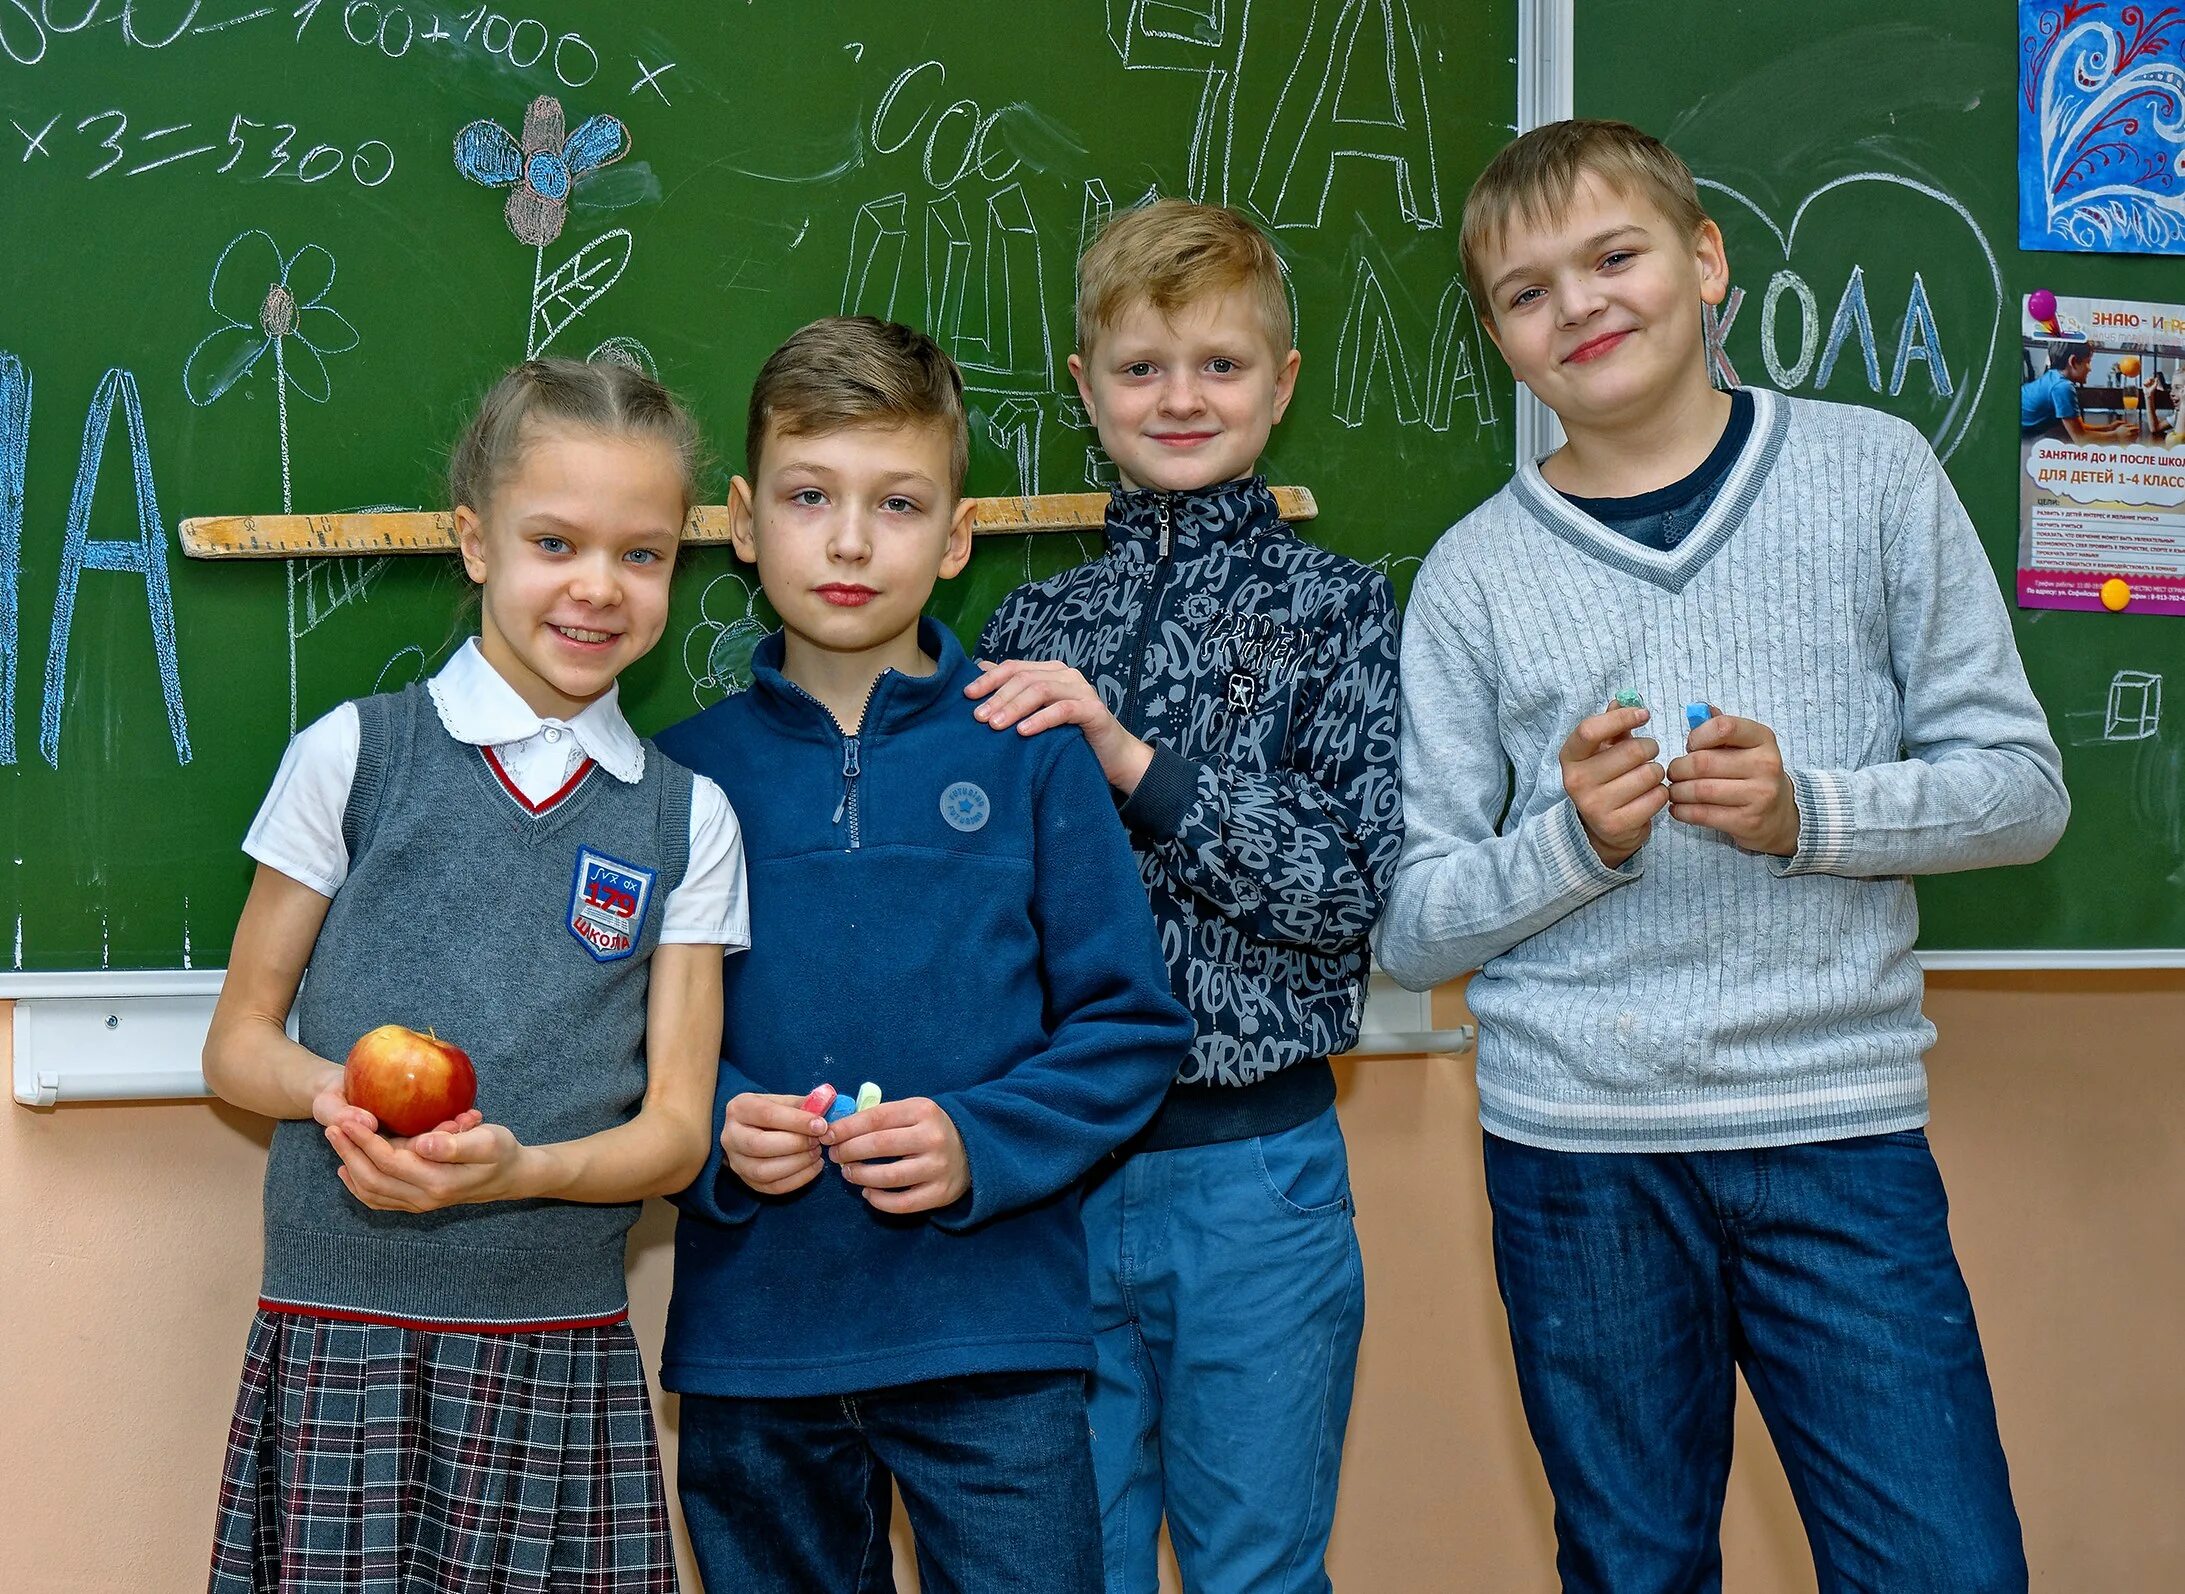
<point x="1173" y="253"/>
<point x="1532" y="179"/>
<point x="609" y="398"/>
<point x="857" y="370"/>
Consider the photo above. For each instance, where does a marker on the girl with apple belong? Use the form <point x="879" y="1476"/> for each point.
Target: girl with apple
<point x="486" y="873"/>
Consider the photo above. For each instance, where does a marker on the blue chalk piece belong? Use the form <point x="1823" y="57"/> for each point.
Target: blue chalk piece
<point x="840" y="1108"/>
<point x="1696" y="715"/>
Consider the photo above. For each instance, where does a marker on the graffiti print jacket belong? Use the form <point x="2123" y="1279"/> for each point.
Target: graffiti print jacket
<point x="1262" y="670"/>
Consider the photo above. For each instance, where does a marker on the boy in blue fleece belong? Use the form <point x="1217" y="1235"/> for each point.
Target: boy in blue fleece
<point x="1238" y="685"/>
<point x="954" y="916"/>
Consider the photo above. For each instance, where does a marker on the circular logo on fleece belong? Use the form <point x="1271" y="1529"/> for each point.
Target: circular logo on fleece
<point x="965" y="807"/>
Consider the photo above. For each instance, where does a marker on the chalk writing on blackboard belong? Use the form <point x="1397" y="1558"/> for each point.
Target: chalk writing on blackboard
<point x="648" y="77"/>
<point x="1425" y="384"/>
<point x="250" y="149"/>
<point x="144" y="556"/>
<point x="1353" y="87"/>
<point x="1201" y="41"/>
<point x="14" y="461"/>
<point x="522" y="42"/>
<point x="983" y="272"/>
<point x="1332" y="109"/>
<point x="1947" y="399"/>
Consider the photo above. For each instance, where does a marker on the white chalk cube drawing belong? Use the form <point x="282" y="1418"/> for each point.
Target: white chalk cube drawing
<point x="2135" y="707"/>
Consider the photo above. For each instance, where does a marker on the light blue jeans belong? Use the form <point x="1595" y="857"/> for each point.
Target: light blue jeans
<point x="1228" y="1297"/>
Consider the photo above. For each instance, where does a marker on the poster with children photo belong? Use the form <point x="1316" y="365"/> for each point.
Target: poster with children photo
<point x="2101" y="487"/>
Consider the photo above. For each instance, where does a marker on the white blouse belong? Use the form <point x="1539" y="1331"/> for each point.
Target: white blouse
<point x="298" y="828"/>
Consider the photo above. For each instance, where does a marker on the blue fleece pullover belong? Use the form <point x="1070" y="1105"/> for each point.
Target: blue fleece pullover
<point x="948" y="913"/>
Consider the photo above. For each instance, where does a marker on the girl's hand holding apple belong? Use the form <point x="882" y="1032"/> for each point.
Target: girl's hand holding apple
<point x="463" y="1160"/>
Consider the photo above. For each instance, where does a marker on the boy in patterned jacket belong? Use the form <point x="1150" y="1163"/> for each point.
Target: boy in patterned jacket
<point x="1238" y="686"/>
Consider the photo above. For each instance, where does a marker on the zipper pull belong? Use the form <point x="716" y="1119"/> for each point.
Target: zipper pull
<point x="1164" y="528"/>
<point x="849" y="773"/>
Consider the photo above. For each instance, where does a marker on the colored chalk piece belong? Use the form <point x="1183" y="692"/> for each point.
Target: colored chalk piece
<point x="868" y="1096"/>
<point x="1627" y="699"/>
<point x="840" y="1108"/>
<point x="1696" y="715"/>
<point x="821" y="1098"/>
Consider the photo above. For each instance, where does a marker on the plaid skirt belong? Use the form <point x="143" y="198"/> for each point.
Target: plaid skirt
<point x="367" y="1458"/>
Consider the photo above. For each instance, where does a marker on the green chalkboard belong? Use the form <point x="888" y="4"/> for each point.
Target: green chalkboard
<point x="166" y="163"/>
<point x="1861" y="138"/>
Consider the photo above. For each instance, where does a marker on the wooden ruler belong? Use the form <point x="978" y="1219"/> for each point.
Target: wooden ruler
<point x="433" y="531"/>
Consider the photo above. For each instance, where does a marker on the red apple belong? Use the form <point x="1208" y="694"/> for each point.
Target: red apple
<point x="409" y="1082"/>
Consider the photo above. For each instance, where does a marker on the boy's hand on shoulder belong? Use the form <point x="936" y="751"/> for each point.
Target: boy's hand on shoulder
<point x="772" y="1144"/>
<point x="1611" y="779"/>
<point x="1731" y="778"/>
<point x="1036" y="695"/>
<point x="928" y="1169"/>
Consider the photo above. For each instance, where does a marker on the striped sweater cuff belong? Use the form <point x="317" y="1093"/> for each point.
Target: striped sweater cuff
<point x="1570" y="854"/>
<point x="1824" y="824"/>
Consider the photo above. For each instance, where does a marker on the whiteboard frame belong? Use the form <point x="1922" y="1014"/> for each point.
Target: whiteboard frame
<point x="137" y="1034"/>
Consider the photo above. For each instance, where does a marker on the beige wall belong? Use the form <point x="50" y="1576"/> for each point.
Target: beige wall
<point x="128" y="1262"/>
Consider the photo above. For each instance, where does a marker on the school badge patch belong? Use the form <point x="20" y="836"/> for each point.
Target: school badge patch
<point x="607" y="904"/>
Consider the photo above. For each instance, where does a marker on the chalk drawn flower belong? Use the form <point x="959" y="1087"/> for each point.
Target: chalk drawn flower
<point x="541" y="166"/>
<point x="717" y="650"/>
<point x="266" y="300"/>
<point x="270" y="301"/>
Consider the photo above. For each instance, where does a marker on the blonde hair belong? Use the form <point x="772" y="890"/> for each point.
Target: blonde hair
<point x="1173" y="253"/>
<point x="610" y="399"/>
<point x="1533" y="177"/>
<point x="855" y="370"/>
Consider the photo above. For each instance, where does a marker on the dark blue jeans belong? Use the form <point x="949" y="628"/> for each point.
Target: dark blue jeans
<point x="1635" y="1283"/>
<point x="791" y="1496"/>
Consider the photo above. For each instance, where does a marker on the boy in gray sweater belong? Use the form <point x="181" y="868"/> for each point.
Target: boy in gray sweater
<point x="1700" y="1031"/>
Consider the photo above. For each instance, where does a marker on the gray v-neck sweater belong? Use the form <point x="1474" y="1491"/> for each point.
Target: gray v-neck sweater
<point x="523" y="933"/>
<point x="1701" y="996"/>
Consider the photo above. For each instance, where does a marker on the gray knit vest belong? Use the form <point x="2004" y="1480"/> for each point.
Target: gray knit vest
<point x="503" y="931"/>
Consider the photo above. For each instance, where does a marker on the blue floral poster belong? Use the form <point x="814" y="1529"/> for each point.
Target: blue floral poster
<point x="2101" y="126"/>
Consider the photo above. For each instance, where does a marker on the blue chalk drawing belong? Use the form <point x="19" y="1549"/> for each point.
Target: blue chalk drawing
<point x="539" y="169"/>
<point x="2101" y="127"/>
<point x="14" y="460"/>
<point x="268" y="300"/>
<point x="144" y="555"/>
